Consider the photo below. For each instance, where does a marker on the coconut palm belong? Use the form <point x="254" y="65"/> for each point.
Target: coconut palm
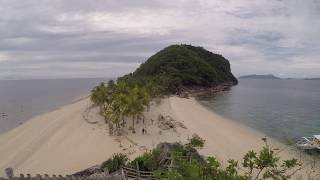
<point x="113" y="114"/>
<point x="97" y="94"/>
<point x="133" y="105"/>
<point x="123" y="99"/>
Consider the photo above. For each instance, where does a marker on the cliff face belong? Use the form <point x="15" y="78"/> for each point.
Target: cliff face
<point x="186" y="65"/>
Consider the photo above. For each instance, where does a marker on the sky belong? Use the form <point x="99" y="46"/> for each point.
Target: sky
<point x="109" y="38"/>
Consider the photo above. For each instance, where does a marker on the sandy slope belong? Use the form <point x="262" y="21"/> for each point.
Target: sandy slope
<point x="63" y="142"/>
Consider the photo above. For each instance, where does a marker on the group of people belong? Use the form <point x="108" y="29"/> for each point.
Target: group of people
<point x="144" y="131"/>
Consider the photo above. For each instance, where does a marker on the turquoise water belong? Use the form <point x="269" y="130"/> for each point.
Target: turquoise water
<point x="22" y="99"/>
<point x="282" y="109"/>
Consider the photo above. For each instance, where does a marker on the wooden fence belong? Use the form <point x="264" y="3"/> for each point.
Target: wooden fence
<point x="126" y="173"/>
<point x="96" y="176"/>
<point x="131" y="173"/>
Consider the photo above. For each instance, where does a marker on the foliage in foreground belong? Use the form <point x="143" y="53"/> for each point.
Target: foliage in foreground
<point x="196" y="142"/>
<point x="189" y="165"/>
<point x="115" y="163"/>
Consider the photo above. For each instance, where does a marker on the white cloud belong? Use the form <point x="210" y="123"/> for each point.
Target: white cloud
<point x="262" y="36"/>
<point x="3" y="57"/>
<point x="137" y="21"/>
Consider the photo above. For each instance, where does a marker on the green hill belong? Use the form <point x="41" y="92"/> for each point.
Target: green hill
<point x="186" y="65"/>
<point x="179" y="66"/>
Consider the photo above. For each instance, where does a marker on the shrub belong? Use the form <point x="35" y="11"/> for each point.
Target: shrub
<point x="267" y="164"/>
<point x="148" y="161"/>
<point x="264" y="164"/>
<point x="115" y="163"/>
<point x="196" y="141"/>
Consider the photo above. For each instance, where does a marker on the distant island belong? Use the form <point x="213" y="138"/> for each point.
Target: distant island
<point x="255" y="76"/>
<point x="312" y="79"/>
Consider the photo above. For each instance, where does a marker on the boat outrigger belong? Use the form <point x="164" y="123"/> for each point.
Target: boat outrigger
<point x="309" y="143"/>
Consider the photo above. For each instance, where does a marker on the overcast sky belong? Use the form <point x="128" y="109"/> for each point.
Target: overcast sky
<point x="107" y="38"/>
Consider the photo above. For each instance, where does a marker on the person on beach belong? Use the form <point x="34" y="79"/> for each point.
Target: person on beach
<point x="144" y="131"/>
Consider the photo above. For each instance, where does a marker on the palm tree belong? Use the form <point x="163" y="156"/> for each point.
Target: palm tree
<point x="99" y="95"/>
<point x="115" y="118"/>
<point x="113" y="114"/>
<point x="137" y="100"/>
<point x="102" y="96"/>
<point x="124" y="110"/>
<point x="95" y="94"/>
<point x="132" y="106"/>
<point x="122" y="99"/>
<point x="108" y="115"/>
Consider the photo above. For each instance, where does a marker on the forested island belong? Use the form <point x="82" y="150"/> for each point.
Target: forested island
<point x="173" y="70"/>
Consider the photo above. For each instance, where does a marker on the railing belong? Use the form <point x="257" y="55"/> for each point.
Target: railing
<point x="131" y="173"/>
<point x="125" y="173"/>
<point x="96" y="176"/>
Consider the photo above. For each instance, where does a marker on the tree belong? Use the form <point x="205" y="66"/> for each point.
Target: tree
<point x="133" y="105"/>
<point x="115" y="163"/>
<point x="98" y="95"/>
<point x="266" y="164"/>
<point x="128" y="97"/>
<point x="196" y="141"/>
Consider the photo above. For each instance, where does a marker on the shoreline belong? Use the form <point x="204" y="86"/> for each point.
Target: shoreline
<point x="63" y="142"/>
<point x="25" y="120"/>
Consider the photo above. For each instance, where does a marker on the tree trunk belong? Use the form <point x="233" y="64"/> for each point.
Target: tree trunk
<point x="118" y="128"/>
<point x="110" y="129"/>
<point x="133" y="130"/>
<point x="123" y="123"/>
<point x="106" y="120"/>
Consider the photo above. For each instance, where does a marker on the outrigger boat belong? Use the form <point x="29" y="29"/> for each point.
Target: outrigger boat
<point x="309" y="143"/>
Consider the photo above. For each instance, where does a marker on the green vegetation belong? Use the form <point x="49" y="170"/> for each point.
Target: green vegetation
<point x="115" y="163"/>
<point x="121" y="100"/>
<point x="176" y="161"/>
<point x="166" y="72"/>
<point x="177" y="66"/>
<point x="196" y="142"/>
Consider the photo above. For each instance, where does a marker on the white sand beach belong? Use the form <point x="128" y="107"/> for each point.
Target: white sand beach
<point x="74" y="137"/>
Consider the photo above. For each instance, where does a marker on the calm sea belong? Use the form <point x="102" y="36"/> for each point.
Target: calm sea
<point x="282" y="109"/>
<point x="22" y="99"/>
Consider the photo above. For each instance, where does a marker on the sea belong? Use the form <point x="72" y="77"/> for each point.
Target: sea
<point x="284" y="109"/>
<point x="20" y="100"/>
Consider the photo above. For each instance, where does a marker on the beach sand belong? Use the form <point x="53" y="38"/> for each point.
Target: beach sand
<point x="75" y="137"/>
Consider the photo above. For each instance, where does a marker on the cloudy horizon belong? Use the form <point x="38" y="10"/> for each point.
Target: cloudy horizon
<point x="109" y="38"/>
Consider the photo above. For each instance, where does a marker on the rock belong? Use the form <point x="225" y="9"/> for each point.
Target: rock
<point x="166" y="123"/>
<point x="87" y="172"/>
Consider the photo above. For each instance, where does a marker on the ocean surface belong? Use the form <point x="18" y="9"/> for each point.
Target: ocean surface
<point x="282" y="109"/>
<point x="22" y="99"/>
